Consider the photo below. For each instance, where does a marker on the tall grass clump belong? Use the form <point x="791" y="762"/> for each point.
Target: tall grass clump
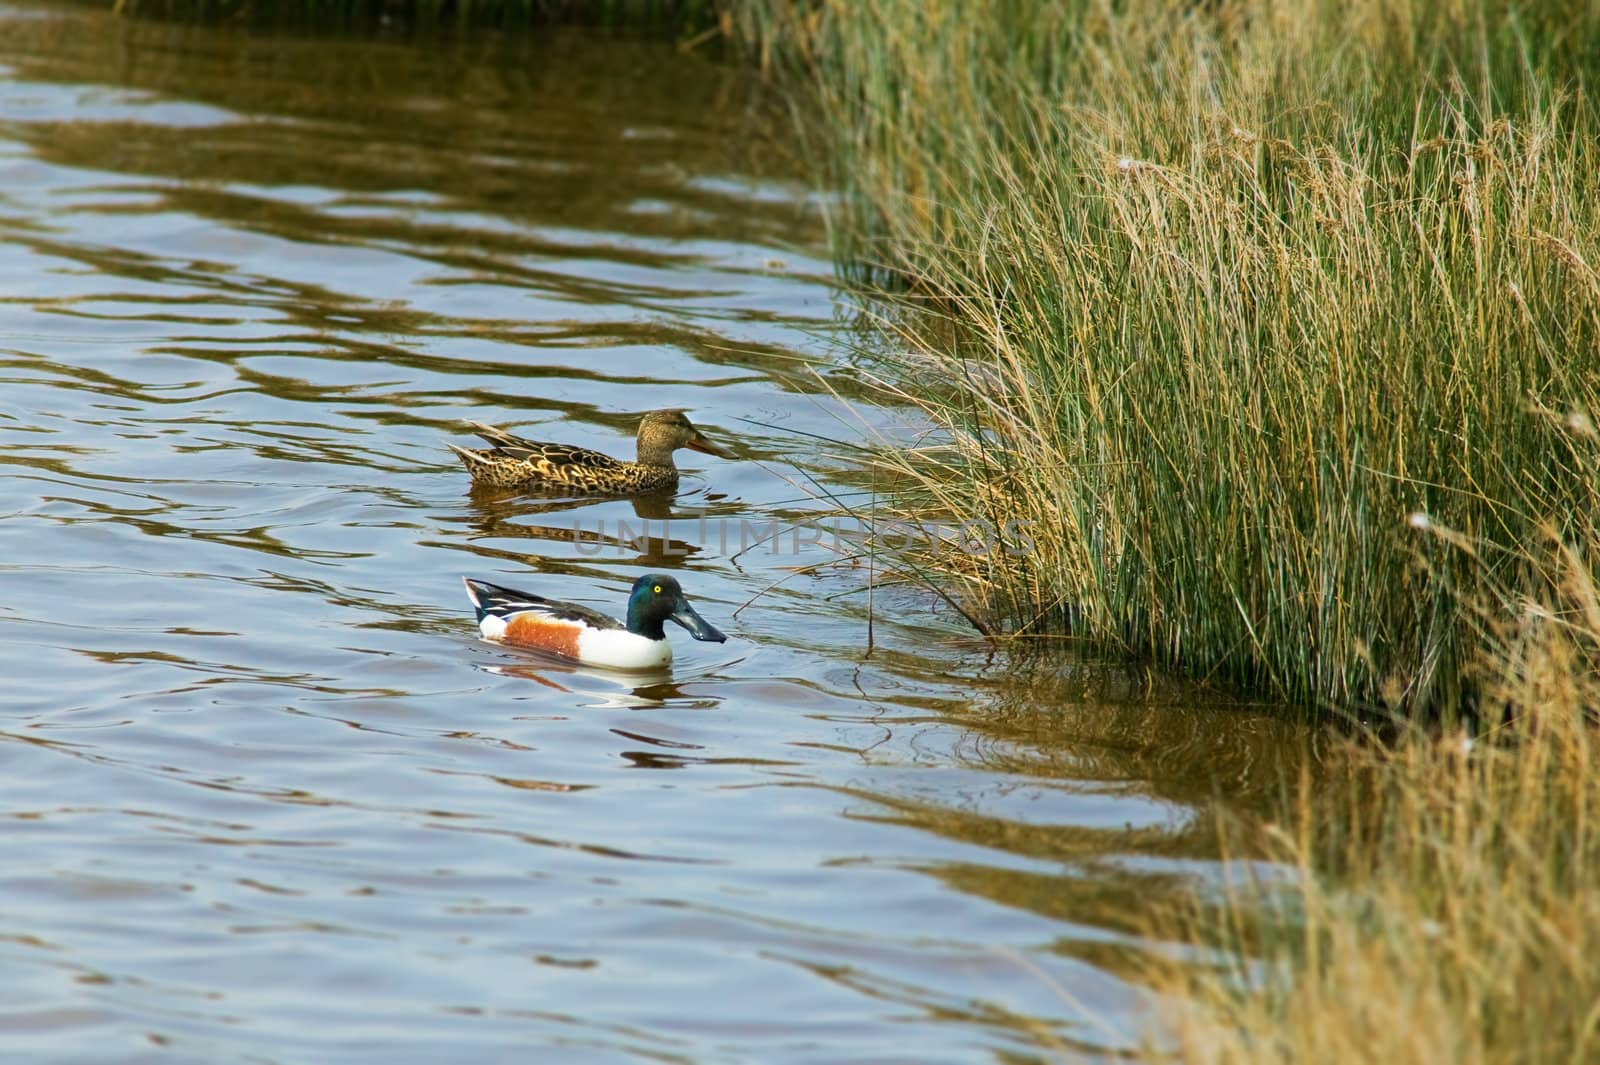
<point x="1226" y="298"/>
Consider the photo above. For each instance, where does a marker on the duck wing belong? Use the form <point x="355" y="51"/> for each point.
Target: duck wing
<point x="495" y="600"/>
<point x="515" y="447"/>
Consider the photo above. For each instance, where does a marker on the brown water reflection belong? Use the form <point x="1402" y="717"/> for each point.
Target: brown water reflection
<point x="267" y="798"/>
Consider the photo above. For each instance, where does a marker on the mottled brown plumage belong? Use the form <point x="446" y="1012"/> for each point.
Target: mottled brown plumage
<point x="513" y="462"/>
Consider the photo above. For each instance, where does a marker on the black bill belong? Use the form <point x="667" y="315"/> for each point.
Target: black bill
<point x="698" y="627"/>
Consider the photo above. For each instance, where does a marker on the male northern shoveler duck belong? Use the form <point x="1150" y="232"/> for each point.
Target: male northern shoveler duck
<point x="517" y="463"/>
<point x="506" y="615"/>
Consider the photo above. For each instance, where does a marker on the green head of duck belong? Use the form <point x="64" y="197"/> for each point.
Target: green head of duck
<point x="658" y="598"/>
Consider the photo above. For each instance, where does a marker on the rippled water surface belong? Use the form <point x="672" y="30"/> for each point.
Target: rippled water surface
<point x="268" y="798"/>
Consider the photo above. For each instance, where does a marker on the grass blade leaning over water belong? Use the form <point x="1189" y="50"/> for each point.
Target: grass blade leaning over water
<point x="1234" y="290"/>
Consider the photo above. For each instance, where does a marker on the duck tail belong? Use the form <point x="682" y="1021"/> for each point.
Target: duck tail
<point x="499" y="600"/>
<point x="475" y="461"/>
<point x="479" y="593"/>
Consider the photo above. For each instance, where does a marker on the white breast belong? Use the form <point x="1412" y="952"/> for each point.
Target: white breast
<point x="621" y="649"/>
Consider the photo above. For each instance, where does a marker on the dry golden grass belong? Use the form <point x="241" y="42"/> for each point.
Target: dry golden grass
<point x="1446" y="899"/>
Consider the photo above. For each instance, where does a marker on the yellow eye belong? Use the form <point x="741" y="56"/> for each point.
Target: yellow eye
<point x="658" y="589"/>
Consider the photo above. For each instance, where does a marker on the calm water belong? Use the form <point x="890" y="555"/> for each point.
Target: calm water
<point x="267" y="797"/>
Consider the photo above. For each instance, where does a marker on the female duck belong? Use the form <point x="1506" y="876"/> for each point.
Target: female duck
<point x="568" y="630"/>
<point x="517" y="463"/>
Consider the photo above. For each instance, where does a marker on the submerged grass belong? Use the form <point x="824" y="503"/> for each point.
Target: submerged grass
<point x="1222" y="296"/>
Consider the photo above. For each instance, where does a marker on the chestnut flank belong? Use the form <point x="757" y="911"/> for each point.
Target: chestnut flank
<point x="531" y="630"/>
